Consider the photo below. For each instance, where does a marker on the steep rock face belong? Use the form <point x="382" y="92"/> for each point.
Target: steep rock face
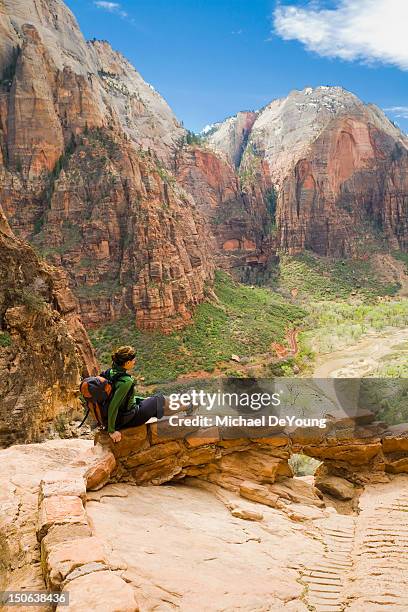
<point x="354" y="174"/>
<point x="56" y="25"/>
<point x="141" y="112"/>
<point x="34" y="135"/>
<point x="336" y="164"/>
<point x="44" y="347"/>
<point x="119" y="93"/>
<point x="97" y="201"/>
<point x="128" y="235"/>
<point x="230" y="137"/>
<point x="237" y="218"/>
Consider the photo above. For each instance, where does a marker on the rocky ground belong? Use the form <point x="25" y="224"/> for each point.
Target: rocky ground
<point x="184" y="550"/>
<point x="21" y="469"/>
<point x="192" y="545"/>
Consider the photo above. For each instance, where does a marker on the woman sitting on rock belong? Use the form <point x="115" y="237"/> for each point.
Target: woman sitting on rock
<point x="125" y="408"/>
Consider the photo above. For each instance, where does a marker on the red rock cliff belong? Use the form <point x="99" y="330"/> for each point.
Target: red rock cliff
<point x="44" y="348"/>
<point x="84" y="177"/>
<point x="128" y="235"/>
<point x="237" y="216"/>
<point x="339" y="168"/>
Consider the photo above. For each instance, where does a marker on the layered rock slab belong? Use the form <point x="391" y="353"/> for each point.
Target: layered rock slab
<point x="21" y="469"/>
<point x="152" y="529"/>
<point x="352" y="451"/>
<point x="147" y="456"/>
<point x="71" y="556"/>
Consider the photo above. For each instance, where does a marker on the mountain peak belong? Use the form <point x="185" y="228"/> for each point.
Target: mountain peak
<point x="56" y="26"/>
<point x="285" y="128"/>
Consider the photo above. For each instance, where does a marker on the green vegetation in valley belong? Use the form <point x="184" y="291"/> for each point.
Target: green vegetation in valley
<point x="334" y="325"/>
<point x="337" y="304"/>
<point x="345" y="300"/>
<point x="321" y="278"/>
<point x="245" y="322"/>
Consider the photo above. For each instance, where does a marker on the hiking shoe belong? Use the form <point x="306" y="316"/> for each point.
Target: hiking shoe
<point x="191" y="409"/>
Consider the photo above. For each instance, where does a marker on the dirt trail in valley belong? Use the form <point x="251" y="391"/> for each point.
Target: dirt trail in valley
<point x="362" y="358"/>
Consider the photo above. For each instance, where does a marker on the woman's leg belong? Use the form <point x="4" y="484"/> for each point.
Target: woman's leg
<point x="168" y="411"/>
<point x="151" y="407"/>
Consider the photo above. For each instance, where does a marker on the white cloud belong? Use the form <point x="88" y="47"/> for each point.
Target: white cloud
<point x="111" y="7"/>
<point x="398" y="111"/>
<point x="365" y="30"/>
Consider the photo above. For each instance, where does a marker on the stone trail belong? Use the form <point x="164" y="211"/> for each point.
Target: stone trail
<point x="365" y="563"/>
<point x="381" y="551"/>
<point x="328" y="562"/>
<point x="325" y="580"/>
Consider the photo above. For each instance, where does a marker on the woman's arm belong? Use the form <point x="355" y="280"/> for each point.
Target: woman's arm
<point x="122" y="389"/>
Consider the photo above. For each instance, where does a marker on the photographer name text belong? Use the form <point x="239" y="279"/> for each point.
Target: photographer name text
<point x="245" y="421"/>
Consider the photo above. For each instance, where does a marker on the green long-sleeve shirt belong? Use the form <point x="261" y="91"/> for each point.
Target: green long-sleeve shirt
<point x="122" y="388"/>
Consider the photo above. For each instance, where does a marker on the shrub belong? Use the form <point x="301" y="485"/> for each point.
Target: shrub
<point x="302" y="465"/>
<point x="5" y="339"/>
<point x="31" y="300"/>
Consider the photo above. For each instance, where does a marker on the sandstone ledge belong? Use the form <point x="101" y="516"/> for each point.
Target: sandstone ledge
<point x="350" y="449"/>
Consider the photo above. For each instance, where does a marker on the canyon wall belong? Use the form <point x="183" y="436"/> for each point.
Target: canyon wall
<point x="338" y="168"/>
<point x="96" y="172"/>
<point x="129" y="237"/>
<point x="86" y="146"/>
<point x="237" y="217"/>
<point x="44" y="348"/>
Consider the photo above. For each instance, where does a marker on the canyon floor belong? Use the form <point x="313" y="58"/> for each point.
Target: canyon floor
<point x="180" y="547"/>
<point x="362" y="358"/>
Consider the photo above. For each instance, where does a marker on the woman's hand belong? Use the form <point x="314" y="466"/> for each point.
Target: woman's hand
<point x="116" y="436"/>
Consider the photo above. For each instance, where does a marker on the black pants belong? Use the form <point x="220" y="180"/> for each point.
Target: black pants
<point x="147" y="409"/>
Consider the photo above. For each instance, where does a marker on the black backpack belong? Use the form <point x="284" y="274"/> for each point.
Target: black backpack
<point x="97" y="392"/>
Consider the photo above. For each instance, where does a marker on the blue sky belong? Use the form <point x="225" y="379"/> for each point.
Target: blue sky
<point x="212" y="58"/>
